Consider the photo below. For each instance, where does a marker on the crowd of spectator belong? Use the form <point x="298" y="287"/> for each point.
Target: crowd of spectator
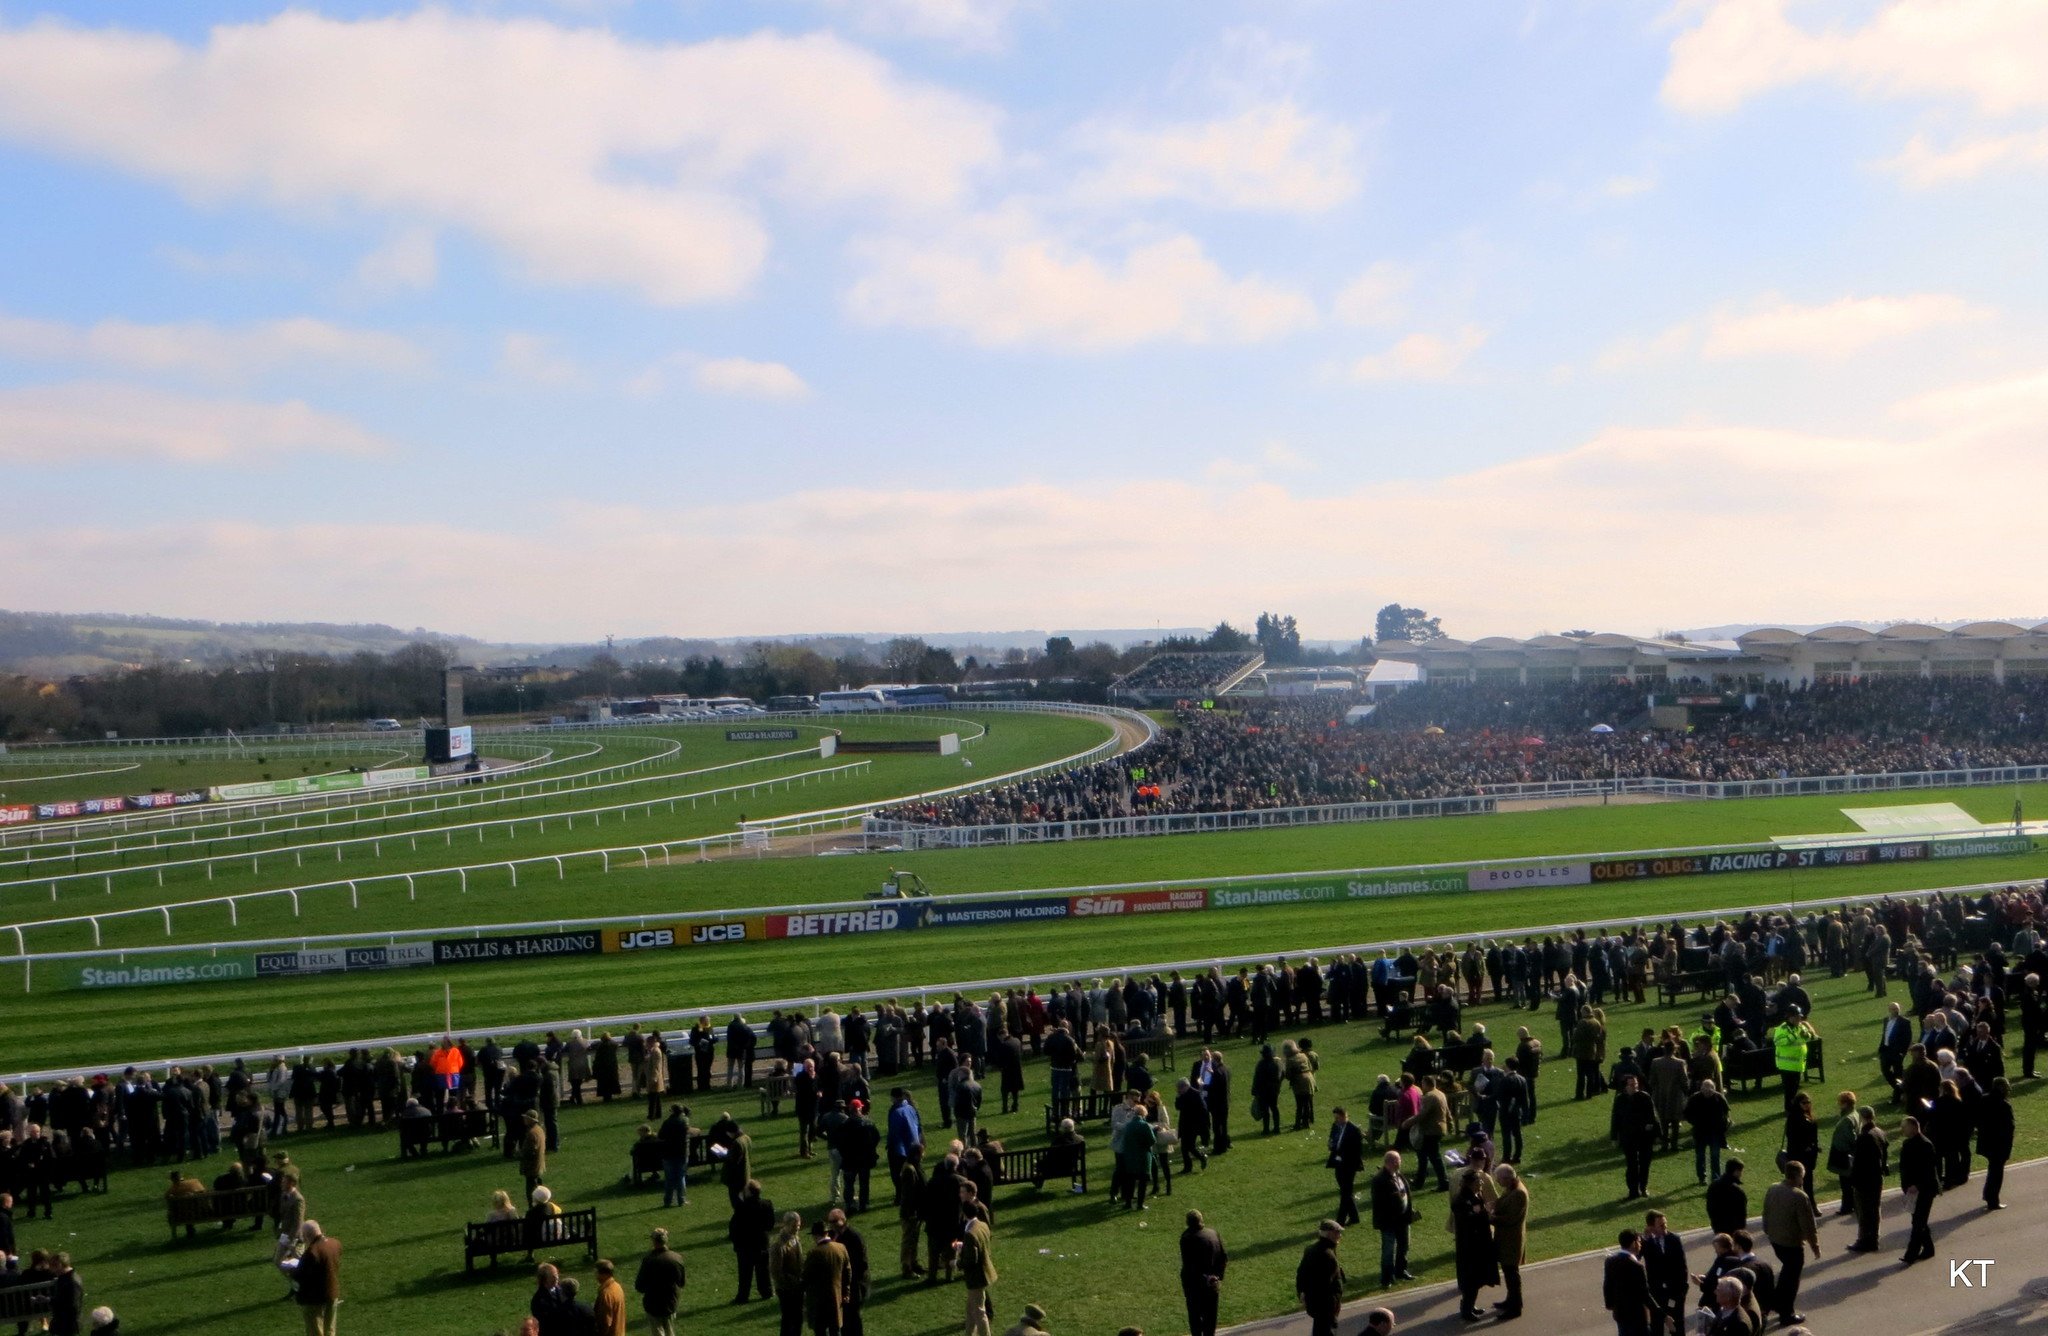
<point x="1441" y="740"/>
<point x="1190" y="674"/>
<point x="1968" y="967"/>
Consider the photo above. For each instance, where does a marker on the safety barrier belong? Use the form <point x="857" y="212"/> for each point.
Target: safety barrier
<point x="59" y="832"/>
<point x="917" y="835"/>
<point x="24" y="868"/>
<point x="597" y="814"/>
<point x="676" y="1021"/>
<point x="1039" y="904"/>
<point x="844" y="816"/>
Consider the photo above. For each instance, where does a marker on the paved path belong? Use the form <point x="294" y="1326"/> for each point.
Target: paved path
<point x="1842" y="1294"/>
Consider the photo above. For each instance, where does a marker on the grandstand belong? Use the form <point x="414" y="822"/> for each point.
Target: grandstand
<point x="1444" y="739"/>
<point x="1178" y="675"/>
<point x="1766" y="655"/>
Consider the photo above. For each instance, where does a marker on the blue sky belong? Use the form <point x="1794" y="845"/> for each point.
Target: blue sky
<point x="553" y="320"/>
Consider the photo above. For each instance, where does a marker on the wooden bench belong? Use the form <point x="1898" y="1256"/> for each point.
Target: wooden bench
<point x="1458" y="1059"/>
<point x="72" y="1167"/>
<point x="1094" y="1107"/>
<point x="1404" y="1022"/>
<point x="1156" y="1048"/>
<point x="495" y="1237"/>
<point x="1758" y="1066"/>
<point x="1702" y="984"/>
<point x="205" y="1208"/>
<point x="462" y="1125"/>
<point x="1035" y="1166"/>
<point x="773" y="1090"/>
<point x="26" y="1301"/>
<point x="646" y="1158"/>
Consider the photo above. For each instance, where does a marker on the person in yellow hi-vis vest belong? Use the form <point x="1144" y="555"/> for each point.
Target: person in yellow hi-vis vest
<point x="1789" y="1040"/>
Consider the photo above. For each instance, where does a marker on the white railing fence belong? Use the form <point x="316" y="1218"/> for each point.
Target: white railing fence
<point x="1389" y="872"/>
<point x="30" y="867"/>
<point x="676" y="1020"/>
<point x="1111" y="746"/>
<point x="915" y="835"/>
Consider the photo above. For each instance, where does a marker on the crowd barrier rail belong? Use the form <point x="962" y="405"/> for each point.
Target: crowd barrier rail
<point x="24" y="869"/>
<point x="920" y="835"/>
<point x="757" y="923"/>
<point x="676" y="1020"/>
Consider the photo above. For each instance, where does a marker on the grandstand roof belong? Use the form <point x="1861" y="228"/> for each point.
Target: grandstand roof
<point x="1901" y="632"/>
<point x="1607" y="642"/>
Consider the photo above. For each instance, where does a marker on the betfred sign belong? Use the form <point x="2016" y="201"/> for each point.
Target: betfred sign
<point x="837" y="923"/>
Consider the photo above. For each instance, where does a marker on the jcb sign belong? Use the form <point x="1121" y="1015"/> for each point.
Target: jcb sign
<point x="672" y="935"/>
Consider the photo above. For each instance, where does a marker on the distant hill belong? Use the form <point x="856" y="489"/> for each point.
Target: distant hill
<point x="60" y="644"/>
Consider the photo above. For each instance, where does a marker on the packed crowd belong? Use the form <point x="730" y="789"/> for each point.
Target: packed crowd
<point x="1439" y="740"/>
<point x="1190" y="673"/>
<point x="1969" y="969"/>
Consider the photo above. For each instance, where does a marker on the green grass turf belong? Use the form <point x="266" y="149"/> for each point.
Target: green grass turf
<point x="1094" y="1267"/>
<point x="234" y="1016"/>
<point x="61" y="778"/>
<point x="1019" y="741"/>
<point x="588" y="892"/>
<point x="135" y="858"/>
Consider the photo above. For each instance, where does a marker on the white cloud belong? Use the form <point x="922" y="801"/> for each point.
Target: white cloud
<point x="1986" y="52"/>
<point x="410" y="261"/>
<point x="582" y="157"/>
<point x="207" y="349"/>
<point x="89" y="425"/>
<point x="1270" y="460"/>
<point x="977" y="25"/>
<point x="1774" y="327"/>
<point x="1834" y="329"/>
<point x="742" y="377"/>
<point x="1622" y="187"/>
<point x="2011" y="406"/>
<point x="1924" y="164"/>
<point x="749" y="379"/>
<point x="1625" y="354"/>
<point x="234" y="263"/>
<point x="534" y="358"/>
<point x="1422" y="356"/>
<point x="1376" y="297"/>
<point x="1004" y="284"/>
<point x="1555" y="520"/>
<point x="1272" y="157"/>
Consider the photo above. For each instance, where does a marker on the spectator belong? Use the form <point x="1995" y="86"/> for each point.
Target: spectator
<point x="319" y="1279"/>
<point x="660" y="1284"/>
<point x="1202" y="1264"/>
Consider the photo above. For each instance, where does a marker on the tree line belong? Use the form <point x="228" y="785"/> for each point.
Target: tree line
<point x="265" y="689"/>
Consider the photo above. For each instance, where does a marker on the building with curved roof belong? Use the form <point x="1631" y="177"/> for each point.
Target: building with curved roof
<point x="1766" y="654"/>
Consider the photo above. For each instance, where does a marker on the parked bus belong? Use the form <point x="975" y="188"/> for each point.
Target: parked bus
<point x="904" y="698"/>
<point x="857" y="701"/>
